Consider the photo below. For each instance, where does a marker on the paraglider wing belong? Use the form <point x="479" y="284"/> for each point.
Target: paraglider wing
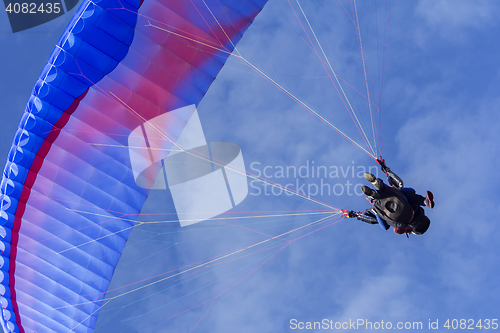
<point x="69" y="197"/>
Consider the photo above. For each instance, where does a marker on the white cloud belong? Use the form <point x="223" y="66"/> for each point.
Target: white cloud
<point x="452" y="18"/>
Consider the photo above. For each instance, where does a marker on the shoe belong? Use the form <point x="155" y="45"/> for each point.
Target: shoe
<point x="369" y="192"/>
<point x="374" y="180"/>
<point x="429" y="200"/>
<point x="369" y="177"/>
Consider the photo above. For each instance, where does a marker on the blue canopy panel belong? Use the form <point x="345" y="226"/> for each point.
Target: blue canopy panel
<point x="68" y="194"/>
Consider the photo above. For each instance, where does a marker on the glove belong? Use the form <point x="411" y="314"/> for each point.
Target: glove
<point x="384" y="167"/>
<point x="349" y="214"/>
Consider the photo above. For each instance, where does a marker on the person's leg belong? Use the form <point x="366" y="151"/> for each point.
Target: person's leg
<point x="377" y="182"/>
<point x="370" y="193"/>
<point x="414" y="199"/>
<point x="417" y="200"/>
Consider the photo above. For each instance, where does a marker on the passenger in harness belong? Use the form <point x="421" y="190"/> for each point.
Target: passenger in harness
<point x="394" y="206"/>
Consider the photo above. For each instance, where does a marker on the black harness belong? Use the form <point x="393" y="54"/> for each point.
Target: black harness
<point x="394" y="208"/>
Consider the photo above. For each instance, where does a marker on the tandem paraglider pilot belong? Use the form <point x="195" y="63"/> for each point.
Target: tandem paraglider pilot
<point x="394" y="205"/>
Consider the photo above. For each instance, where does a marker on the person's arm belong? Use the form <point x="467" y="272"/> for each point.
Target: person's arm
<point x="394" y="180"/>
<point x="367" y="217"/>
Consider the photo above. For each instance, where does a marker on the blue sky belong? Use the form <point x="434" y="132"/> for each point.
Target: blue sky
<point x="439" y="109"/>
